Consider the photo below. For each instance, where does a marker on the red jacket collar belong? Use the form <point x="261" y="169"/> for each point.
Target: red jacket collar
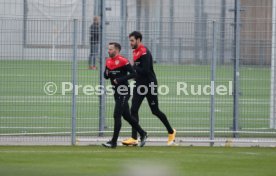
<point x="116" y="62"/>
<point x="139" y="48"/>
<point x="139" y="51"/>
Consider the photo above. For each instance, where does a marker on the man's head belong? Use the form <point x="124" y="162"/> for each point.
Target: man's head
<point x="113" y="49"/>
<point x="96" y="20"/>
<point x="135" y="39"/>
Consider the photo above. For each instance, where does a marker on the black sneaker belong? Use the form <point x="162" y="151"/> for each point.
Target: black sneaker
<point x="143" y="139"/>
<point x="109" y="144"/>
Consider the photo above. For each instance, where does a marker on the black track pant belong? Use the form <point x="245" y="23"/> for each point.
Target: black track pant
<point x="153" y="103"/>
<point x="93" y="54"/>
<point x="122" y="109"/>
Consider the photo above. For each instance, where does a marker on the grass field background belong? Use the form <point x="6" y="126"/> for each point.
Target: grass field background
<point x="26" y="109"/>
<point x="173" y="161"/>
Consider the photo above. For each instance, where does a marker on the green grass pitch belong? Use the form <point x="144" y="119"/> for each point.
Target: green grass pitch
<point x="173" y="161"/>
<point x="25" y="108"/>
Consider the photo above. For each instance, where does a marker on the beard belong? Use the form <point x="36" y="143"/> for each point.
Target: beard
<point x="111" y="54"/>
<point x="135" y="46"/>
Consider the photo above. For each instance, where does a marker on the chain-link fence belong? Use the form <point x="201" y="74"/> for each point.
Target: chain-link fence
<point x="199" y="47"/>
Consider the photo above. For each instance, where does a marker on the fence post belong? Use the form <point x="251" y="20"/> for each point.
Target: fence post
<point x="222" y="31"/>
<point x="179" y="49"/>
<point x="261" y="53"/>
<point x="102" y="67"/>
<point x="123" y="25"/>
<point x="171" y="29"/>
<point x="74" y="81"/>
<point x="160" y="53"/>
<point x="213" y="79"/>
<point x="83" y="25"/>
<point x="25" y="16"/>
<point x="272" y="122"/>
<point x="236" y="69"/>
<point x="96" y="9"/>
<point x="152" y="49"/>
<point x="138" y="14"/>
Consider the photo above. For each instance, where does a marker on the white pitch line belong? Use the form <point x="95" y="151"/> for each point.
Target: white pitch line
<point x="184" y="97"/>
<point x="146" y="118"/>
<point x="81" y="152"/>
<point x="179" y="131"/>
<point x="9" y="127"/>
<point x="45" y="77"/>
<point x="175" y="100"/>
<point x="147" y="127"/>
<point x="249" y="153"/>
<point x="160" y="102"/>
<point x="159" y="77"/>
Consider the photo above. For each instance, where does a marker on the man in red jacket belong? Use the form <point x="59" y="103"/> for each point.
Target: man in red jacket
<point x="145" y="76"/>
<point x="117" y="69"/>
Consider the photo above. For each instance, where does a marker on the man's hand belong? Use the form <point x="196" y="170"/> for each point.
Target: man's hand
<point x="106" y="72"/>
<point x="115" y="81"/>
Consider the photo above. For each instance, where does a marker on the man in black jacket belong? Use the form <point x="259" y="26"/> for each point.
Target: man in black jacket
<point x="143" y="65"/>
<point x="117" y="69"/>
<point x="94" y="42"/>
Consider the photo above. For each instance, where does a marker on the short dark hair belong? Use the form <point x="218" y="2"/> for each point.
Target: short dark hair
<point x="116" y="45"/>
<point x="136" y="35"/>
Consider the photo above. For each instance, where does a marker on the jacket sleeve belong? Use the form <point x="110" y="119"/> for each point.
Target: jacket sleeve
<point x="144" y="66"/>
<point x="131" y="74"/>
<point x="106" y="76"/>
